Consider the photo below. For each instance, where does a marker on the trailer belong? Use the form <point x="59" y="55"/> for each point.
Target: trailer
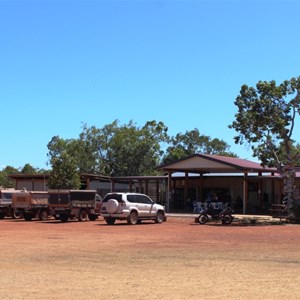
<point x="6" y="208"/>
<point x="33" y="204"/>
<point x="82" y="205"/>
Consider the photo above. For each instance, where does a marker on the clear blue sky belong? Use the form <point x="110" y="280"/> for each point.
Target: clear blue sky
<point x="64" y="63"/>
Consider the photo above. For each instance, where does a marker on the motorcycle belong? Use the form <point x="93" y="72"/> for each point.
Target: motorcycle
<point x="210" y="214"/>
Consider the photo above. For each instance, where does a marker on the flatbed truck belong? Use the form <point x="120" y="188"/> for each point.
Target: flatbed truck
<point x="31" y="204"/>
<point x="82" y="205"/>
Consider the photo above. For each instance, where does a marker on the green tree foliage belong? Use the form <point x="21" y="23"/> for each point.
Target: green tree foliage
<point x="126" y="150"/>
<point x="192" y="142"/>
<point x="130" y="150"/>
<point x="117" y="150"/>
<point x="5" y="180"/>
<point x="29" y="169"/>
<point x="136" y="151"/>
<point x="295" y="150"/>
<point x="265" y="119"/>
<point x="92" y="145"/>
<point x="64" y="173"/>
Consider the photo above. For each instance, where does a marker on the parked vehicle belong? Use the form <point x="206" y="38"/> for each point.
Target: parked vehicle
<point x="211" y="214"/>
<point x="132" y="207"/>
<point x="31" y="204"/>
<point x="80" y="204"/>
<point x="6" y="208"/>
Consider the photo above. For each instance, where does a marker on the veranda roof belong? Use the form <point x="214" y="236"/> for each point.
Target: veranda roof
<point x="205" y="163"/>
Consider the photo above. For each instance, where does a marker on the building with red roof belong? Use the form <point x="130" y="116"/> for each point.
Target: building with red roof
<point x="245" y="185"/>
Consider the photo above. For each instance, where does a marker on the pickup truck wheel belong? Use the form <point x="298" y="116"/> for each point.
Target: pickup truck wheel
<point x="159" y="217"/>
<point x="83" y="216"/>
<point x="2" y="215"/>
<point x="133" y="218"/>
<point x="110" y="221"/>
<point x="27" y="217"/>
<point x="43" y="216"/>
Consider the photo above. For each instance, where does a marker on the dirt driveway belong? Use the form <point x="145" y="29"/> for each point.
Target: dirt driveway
<point x="174" y="260"/>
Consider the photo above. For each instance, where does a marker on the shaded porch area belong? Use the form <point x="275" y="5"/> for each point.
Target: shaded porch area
<point x="246" y="186"/>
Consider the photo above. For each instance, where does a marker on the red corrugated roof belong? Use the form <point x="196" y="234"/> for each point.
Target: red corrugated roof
<point x="225" y="164"/>
<point x="238" y="162"/>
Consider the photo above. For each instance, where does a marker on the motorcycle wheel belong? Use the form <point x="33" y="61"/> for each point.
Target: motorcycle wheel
<point x="227" y="219"/>
<point x="202" y="219"/>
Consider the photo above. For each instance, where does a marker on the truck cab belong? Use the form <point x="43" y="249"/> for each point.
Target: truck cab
<point x="6" y="208"/>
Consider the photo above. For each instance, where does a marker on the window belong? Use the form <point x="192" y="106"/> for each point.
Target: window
<point x="133" y="198"/>
<point x="145" y="199"/>
<point x="118" y="197"/>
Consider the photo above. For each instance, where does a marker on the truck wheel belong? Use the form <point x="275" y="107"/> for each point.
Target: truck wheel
<point x="43" y="216"/>
<point x="64" y="218"/>
<point x="83" y="216"/>
<point x="2" y="215"/>
<point x="27" y="217"/>
<point x="16" y="214"/>
<point x="93" y="217"/>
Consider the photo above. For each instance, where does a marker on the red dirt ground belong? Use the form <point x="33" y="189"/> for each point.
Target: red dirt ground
<point x="174" y="260"/>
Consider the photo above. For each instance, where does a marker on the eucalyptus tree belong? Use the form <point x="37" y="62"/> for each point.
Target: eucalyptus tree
<point x="266" y="120"/>
<point x="191" y="142"/>
<point x="5" y="180"/>
<point x="64" y="173"/>
<point x="116" y="150"/>
<point x="129" y="149"/>
<point x="29" y="169"/>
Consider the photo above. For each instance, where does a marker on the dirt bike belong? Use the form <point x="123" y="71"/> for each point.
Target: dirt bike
<point x="211" y="214"/>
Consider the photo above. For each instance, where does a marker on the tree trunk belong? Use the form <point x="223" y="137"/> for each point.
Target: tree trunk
<point x="289" y="188"/>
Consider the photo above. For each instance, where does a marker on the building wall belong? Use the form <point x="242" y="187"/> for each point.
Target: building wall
<point x="260" y="197"/>
<point x="32" y="184"/>
<point x="104" y="187"/>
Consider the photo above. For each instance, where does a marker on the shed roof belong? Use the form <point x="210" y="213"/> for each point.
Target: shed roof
<point x="29" y="176"/>
<point x="206" y="163"/>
